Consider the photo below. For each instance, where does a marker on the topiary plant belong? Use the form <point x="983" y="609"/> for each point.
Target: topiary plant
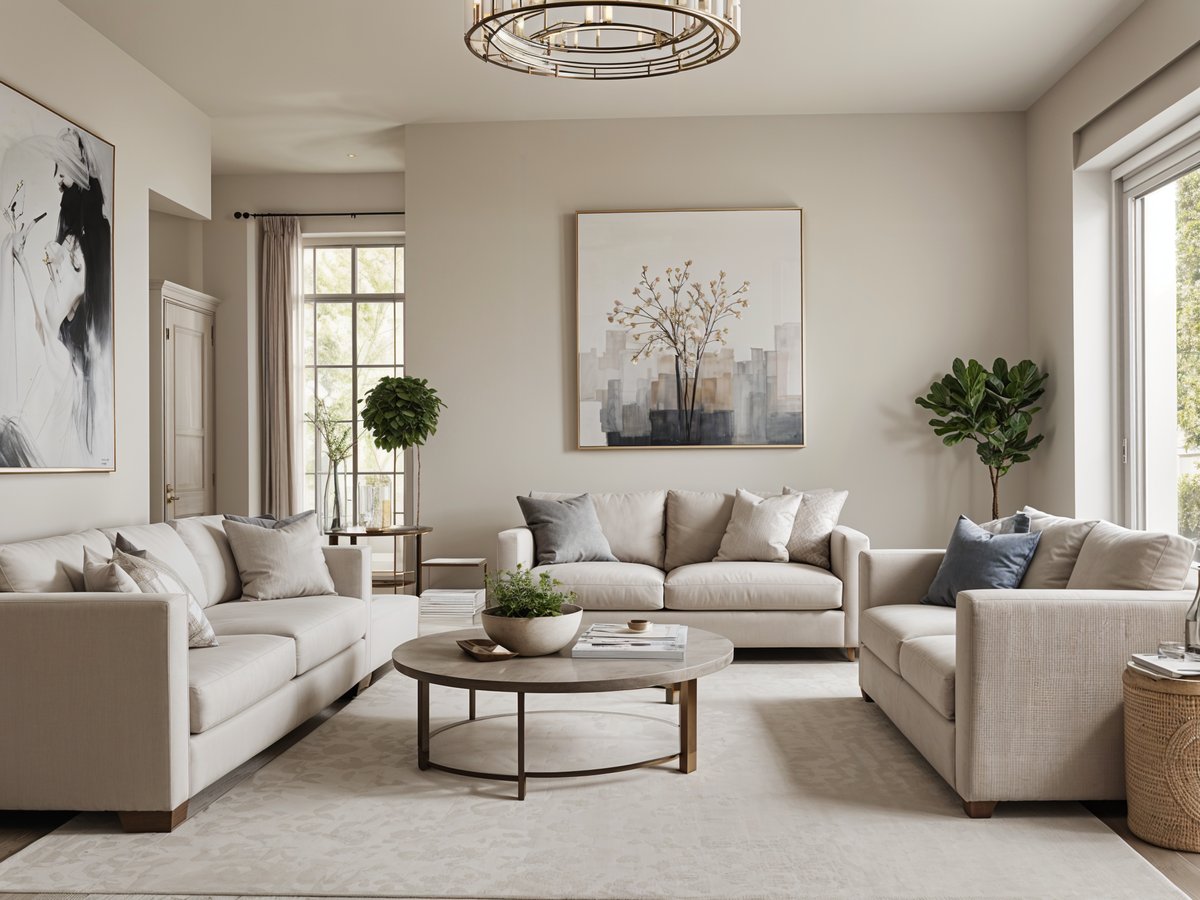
<point x="994" y="409"/>
<point x="515" y="595"/>
<point x="402" y="412"/>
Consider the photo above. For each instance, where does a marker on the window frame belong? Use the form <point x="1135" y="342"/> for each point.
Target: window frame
<point x="311" y="303"/>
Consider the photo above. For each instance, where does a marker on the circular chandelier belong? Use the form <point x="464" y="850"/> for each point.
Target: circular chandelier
<point x="603" y="41"/>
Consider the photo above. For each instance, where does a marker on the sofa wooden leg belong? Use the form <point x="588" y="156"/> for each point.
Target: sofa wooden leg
<point x="866" y="696"/>
<point x="852" y="654"/>
<point x="156" y="821"/>
<point x="672" y="693"/>
<point x="979" y="809"/>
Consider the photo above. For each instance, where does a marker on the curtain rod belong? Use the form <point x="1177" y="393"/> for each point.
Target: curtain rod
<point x="320" y="215"/>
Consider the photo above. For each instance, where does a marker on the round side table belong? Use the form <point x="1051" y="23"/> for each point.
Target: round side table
<point x="1162" y="759"/>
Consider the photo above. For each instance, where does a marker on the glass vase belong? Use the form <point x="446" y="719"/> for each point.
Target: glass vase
<point x="335" y="501"/>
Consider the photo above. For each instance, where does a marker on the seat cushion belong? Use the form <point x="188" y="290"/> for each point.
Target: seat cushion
<point x="322" y="627"/>
<point x="610" y="585"/>
<point x="633" y="522"/>
<point x="751" y="585"/>
<point x="205" y="537"/>
<point x="927" y="664"/>
<point x="245" y="668"/>
<point x="52" y="565"/>
<point x="882" y="629"/>
<point x="163" y="542"/>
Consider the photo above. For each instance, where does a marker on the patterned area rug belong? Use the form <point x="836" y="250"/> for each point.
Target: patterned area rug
<point x="803" y="790"/>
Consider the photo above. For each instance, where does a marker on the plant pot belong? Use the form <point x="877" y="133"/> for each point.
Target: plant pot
<point x="534" y="637"/>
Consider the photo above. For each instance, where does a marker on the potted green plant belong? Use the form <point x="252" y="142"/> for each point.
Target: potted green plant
<point x="402" y="412"/>
<point x="994" y="408"/>
<point x="529" y="616"/>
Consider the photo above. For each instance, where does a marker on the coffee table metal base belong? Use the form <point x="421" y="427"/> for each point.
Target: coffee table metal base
<point x="686" y="755"/>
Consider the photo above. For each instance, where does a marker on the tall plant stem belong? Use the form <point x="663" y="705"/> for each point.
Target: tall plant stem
<point x="417" y="492"/>
<point x="994" y="475"/>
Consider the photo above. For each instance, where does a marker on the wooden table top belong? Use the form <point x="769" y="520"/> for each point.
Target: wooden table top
<point x="436" y="658"/>
<point x="390" y="531"/>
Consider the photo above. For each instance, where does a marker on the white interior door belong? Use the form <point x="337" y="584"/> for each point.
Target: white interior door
<point x="188" y="411"/>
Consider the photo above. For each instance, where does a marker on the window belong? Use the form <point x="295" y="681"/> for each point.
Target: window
<point x="1161" y="203"/>
<point x="353" y="336"/>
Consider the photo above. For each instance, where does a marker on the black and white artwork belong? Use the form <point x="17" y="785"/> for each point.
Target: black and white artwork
<point x="691" y="329"/>
<point x="57" y="409"/>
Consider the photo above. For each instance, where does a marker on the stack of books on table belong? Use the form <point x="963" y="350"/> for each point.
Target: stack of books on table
<point x="449" y="608"/>
<point x="1165" y="666"/>
<point x="618" y="642"/>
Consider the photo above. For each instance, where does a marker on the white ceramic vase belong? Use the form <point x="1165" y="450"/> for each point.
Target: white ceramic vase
<point x="534" y="637"/>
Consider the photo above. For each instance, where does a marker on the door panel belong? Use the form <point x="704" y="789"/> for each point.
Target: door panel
<point x="189" y="413"/>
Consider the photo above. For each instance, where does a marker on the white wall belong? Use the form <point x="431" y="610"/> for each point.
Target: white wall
<point x="231" y="248"/>
<point x="915" y="254"/>
<point x="177" y="250"/>
<point x="162" y="145"/>
<point x="1070" y="238"/>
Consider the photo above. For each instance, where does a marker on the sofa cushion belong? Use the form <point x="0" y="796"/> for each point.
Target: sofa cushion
<point x="882" y="629"/>
<point x="245" y="668"/>
<point x="52" y="565"/>
<point x="322" y="627"/>
<point x="205" y="538"/>
<point x="565" y="531"/>
<point x="277" y="563"/>
<point x="152" y="576"/>
<point x="696" y="523"/>
<point x="1058" y="550"/>
<point x="164" y="543"/>
<point x="1115" y="558"/>
<point x="759" y="528"/>
<point x="927" y="664"/>
<point x="978" y="560"/>
<point x="633" y="522"/>
<point x="751" y="585"/>
<point x="601" y="585"/>
<point x="815" y="520"/>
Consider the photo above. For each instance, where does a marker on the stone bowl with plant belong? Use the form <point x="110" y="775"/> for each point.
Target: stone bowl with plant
<point x="529" y="616"/>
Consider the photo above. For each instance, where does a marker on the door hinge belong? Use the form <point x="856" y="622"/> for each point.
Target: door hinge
<point x="168" y="330"/>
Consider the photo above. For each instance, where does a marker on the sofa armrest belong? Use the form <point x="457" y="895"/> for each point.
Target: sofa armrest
<point x="94" y="701"/>
<point x="1038" y="697"/>
<point x="895" y="576"/>
<point x="845" y="545"/>
<point x="350" y="568"/>
<point x="514" y="547"/>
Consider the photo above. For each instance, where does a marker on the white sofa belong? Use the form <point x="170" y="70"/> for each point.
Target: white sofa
<point x="665" y="542"/>
<point x="105" y="707"/>
<point x="1013" y="694"/>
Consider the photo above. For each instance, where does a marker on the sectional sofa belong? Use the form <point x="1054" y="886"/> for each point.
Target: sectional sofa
<point x="1016" y="694"/>
<point x="665" y="542"/>
<point x="103" y="705"/>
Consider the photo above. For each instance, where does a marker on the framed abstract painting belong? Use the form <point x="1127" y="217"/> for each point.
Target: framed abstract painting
<point x="691" y="329"/>
<point x="57" y="400"/>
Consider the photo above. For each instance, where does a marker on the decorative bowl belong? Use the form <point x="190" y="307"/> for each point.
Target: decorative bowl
<point x="534" y="637"/>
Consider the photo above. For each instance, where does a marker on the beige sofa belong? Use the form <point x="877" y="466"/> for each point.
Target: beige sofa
<point x="665" y="542"/>
<point x="105" y="707"/>
<point x="1014" y="694"/>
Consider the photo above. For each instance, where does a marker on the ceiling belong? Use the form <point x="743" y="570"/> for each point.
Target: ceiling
<point x="298" y="85"/>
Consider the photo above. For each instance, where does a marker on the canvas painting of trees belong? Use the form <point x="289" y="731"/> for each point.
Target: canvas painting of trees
<point x="691" y="329"/>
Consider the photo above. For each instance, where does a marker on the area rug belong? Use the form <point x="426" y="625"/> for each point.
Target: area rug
<point x="802" y="790"/>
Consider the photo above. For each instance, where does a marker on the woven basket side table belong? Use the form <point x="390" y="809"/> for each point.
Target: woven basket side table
<point x="1162" y="759"/>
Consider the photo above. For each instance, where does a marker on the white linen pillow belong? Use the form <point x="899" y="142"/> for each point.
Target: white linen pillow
<point x="104" y="576"/>
<point x="815" y="520"/>
<point x="279" y="562"/>
<point x="1118" y="559"/>
<point x="759" y="528"/>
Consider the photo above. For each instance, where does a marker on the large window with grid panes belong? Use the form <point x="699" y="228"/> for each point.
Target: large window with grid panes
<point x="353" y="336"/>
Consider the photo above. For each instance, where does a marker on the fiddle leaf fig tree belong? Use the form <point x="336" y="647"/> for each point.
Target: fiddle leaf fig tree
<point x="402" y="412"/>
<point x="994" y="409"/>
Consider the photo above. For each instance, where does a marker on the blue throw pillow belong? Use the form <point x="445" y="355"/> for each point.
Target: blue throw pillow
<point x="976" y="560"/>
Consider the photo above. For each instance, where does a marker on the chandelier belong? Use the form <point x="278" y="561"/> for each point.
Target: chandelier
<point x="603" y="41"/>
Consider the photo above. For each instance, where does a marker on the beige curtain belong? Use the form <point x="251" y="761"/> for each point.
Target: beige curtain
<point x="280" y="302"/>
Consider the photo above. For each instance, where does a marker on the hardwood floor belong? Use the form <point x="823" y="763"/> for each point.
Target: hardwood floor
<point x="20" y="829"/>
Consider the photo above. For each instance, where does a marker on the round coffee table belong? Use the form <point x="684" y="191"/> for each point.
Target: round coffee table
<point x="437" y="659"/>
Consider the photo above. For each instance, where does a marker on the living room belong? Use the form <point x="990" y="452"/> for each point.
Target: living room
<point x="838" y="201"/>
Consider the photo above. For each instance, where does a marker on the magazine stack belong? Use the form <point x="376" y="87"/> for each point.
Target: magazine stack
<point x="447" y="608"/>
<point x="619" y="642"/>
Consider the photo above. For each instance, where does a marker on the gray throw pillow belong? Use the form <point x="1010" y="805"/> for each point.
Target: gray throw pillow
<point x="565" y="531"/>
<point x="269" y="521"/>
<point x="977" y="560"/>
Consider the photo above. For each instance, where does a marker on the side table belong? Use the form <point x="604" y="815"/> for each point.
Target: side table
<point x="1162" y="759"/>
<point x="397" y="533"/>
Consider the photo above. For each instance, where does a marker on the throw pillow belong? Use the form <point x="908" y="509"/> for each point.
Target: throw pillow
<point x="268" y="521"/>
<point x="1058" y="551"/>
<point x="1117" y="559"/>
<point x="1017" y="523"/>
<point x="103" y="576"/>
<point x="279" y="562"/>
<point x="976" y="560"/>
<point x="633" y="522"/>
<point x="152" y="576"/>
<point x="565" y="531"/>
<point x="696" y="523"/>
<point x="759" y="528"/>
<point x="815" y="521"/>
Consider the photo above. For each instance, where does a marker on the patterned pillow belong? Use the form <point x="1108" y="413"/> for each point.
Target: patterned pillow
<point x="152" y="576"/>
<point x="759" y="528"/>
<point x="815" y="521"/>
